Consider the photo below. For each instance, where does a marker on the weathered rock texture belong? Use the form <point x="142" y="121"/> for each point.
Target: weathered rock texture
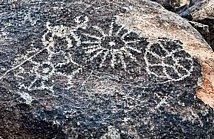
<point x="168" y="4"/>
<point x="204" y="13"/>
<point x="203" y="10"/>
<point x="101" y="69"/>
<point x="199" y="12"/>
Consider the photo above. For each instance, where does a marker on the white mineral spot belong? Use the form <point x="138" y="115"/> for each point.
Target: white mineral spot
<point x="126" y="119"/>
<point x="46" y="70"/>
<point x="112" y="43"/>
<point x="28" y="99"/>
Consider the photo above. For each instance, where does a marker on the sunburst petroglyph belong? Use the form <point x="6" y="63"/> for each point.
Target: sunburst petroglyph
<point x="113" y="44"/>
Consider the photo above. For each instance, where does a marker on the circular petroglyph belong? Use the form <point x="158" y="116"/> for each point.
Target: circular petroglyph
<point x="111" y="44"/>
<point x="166" y="59"/>
<point x="90" y="73"/>
<point x="91" y="45"/>
<point x="41" y="66"/>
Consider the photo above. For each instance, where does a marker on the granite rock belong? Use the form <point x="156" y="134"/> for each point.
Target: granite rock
<point x="102" y="69"/>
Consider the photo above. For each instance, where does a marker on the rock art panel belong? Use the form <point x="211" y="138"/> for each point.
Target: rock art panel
<point x="90" y="76"/>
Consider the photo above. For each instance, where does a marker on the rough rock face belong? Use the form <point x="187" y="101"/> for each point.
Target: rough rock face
<point x="199" y="12"/>
<point x="204" y="13"/>
<point x="101" y="69"/>
<point x="168" y="4"/>
<point x="203" y="10"/>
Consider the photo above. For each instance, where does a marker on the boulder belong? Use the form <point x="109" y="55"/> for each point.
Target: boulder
<point x="171" y="5"/>
<point x="203" y="13"/>
<point x="202" y="10"/>
<point x="102" y="69"/>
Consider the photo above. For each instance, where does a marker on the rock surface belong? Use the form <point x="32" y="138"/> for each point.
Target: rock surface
<point x="204" y="13"/>
<point x="203" y="10"/>
<point x="199" y="12"/>
<point x="170" y="5"/>
<point x="101" y="69"/>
